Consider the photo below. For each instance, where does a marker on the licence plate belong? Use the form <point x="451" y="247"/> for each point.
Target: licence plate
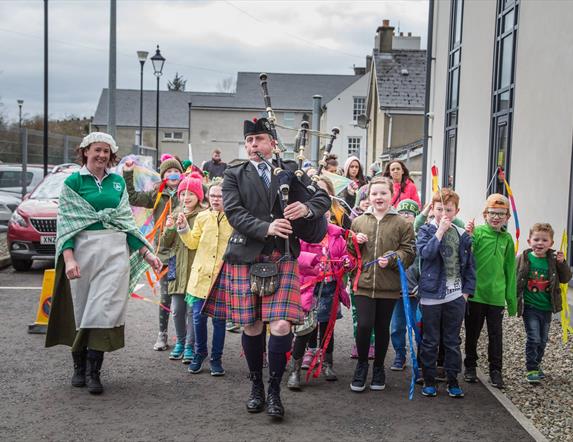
<point x="47" y="240"/>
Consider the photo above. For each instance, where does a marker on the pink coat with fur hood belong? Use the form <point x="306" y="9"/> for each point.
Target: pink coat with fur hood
<point x="309" y="264"/>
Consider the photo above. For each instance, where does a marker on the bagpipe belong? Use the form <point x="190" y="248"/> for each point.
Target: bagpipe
<point x="296" y="180"/>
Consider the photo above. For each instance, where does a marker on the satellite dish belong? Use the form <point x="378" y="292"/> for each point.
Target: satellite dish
<point x="362" y="121"/>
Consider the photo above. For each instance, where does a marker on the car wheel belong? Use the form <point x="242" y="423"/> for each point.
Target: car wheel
<point x="21" y="265"/>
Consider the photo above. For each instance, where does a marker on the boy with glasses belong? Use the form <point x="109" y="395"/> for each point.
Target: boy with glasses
<point x="494" y="253"/>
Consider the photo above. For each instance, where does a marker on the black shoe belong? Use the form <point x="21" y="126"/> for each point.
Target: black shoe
<point x="470" y="375"/>
<point x="359" y="380"/>
<point x="256" y="401"/>
<point x="93" y="367"/>
<point x="378" y="379"/>
<point x="495" y="379"/>
<point x="274" y="404"/>
<point x="79" y="376"/>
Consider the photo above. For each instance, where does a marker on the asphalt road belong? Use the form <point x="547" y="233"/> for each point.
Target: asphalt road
<point x="148" y="397"/>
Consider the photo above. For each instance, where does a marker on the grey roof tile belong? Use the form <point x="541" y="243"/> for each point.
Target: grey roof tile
<point x="288" y="92"/>
<point x="396" y="90"/>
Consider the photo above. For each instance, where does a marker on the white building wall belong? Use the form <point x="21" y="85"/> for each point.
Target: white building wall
<point x="543" y="116"/>
<point x="339" y="113"/>
<point x="542" y="133"/>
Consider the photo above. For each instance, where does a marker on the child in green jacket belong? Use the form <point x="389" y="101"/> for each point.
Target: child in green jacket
<point x="494" y="253"/>
<point x="540" y="270"/>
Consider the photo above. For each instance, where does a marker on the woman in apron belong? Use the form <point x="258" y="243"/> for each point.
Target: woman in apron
<point x="97" y="245"/>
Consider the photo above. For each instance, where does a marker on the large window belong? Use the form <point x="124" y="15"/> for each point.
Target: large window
<point x="354" y="146"/>
<point x="359" y="107"/>
<point x="453" y="93"/>
<point x="503" y="86"/>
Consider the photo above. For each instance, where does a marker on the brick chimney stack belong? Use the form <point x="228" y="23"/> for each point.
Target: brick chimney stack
<point x="384" y="34"/>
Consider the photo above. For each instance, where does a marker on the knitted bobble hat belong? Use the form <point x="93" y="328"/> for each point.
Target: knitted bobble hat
<point x="193" y="183"/>
<point x="170" y="163"/>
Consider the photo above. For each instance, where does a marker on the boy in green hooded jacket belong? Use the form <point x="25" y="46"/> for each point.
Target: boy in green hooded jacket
<point x="494" y="253"/>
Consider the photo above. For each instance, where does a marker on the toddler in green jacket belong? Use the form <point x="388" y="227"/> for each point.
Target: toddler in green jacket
<point x="494" y="253"/>
<point x="540" y="271"/>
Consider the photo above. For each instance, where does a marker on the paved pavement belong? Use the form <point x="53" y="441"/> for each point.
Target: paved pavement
<point x="148" y="397"/>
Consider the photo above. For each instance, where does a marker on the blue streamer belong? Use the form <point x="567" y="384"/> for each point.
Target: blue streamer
<point x="412" y="331"/>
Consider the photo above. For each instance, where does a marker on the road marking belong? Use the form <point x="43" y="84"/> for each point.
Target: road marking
<point x="20" y="288"/>
<point x="137" y="287"/>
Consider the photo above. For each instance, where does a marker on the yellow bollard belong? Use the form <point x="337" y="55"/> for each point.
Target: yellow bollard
<point x="41" y="324"/>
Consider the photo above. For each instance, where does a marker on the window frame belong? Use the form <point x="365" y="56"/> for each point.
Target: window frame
<point x="358" y="110"/>
<point x="170" y="136"/>
<point x="502" y="110"/>
<point x="359" y="146"/>
<point x="451" y="109"/>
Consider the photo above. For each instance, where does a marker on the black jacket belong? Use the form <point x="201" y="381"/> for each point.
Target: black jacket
<point x="251" y="207"/>
<point x="215" y="169"/>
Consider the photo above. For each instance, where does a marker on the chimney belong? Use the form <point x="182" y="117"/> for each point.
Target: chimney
<point x="384" y="34"/>
<point x="359" y="70"/>
<point x="368" y="62"/>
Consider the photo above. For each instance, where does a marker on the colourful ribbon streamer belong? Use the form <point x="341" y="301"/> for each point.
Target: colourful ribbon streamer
<point x="565" y="313"/>
<point x="435" y="186"/>
<point x="513" y="208"/>
<point x="411" y="330"/>
<point x="142" y="298"/>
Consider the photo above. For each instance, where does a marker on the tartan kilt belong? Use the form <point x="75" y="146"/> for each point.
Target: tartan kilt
<point x="231" y="297"/>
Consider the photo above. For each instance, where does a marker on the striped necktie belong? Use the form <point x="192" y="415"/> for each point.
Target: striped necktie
<point x="263" y="172"/>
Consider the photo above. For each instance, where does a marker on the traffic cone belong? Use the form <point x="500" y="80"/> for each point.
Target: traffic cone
<point x="41" y="324"/>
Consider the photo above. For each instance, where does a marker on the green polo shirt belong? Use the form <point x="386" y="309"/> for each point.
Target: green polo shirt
<point x="101" y="195"/>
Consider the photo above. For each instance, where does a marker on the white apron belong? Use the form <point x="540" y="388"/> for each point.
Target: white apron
<point x="100" y="295"/>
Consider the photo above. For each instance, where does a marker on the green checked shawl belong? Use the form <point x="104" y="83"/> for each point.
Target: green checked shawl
<point x="75" y="214"/>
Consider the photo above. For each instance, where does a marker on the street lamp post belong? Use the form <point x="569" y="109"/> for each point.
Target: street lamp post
<point x="20" y="104"/>
<point x="158" y="61"/>
<point x="142" y="56"/>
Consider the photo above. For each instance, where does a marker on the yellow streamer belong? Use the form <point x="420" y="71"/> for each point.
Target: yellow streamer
<point x="565" y="313"/>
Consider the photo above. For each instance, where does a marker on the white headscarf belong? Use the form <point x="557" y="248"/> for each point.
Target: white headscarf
<point x="100" y="137"/>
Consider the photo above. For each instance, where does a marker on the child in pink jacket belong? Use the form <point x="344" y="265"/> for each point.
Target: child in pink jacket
<point x="330" y="258"/>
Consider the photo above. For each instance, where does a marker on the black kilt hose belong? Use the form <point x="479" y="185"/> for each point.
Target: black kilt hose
<point x="250" y="208"/>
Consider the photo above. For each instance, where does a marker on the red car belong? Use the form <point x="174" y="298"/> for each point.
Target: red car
<point x="32" y="228"/>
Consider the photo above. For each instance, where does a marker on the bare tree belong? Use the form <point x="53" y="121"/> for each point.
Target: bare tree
<point x="228" y="84"/>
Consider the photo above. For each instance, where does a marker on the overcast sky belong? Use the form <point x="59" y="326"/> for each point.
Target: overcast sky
<point x="205" y="41"/>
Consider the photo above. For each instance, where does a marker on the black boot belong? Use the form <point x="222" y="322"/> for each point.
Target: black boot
<point x="94" y="361"/>
<point x="274" y="405"/>
<point x="256" y="401"/>
<point x="79" y="376"/>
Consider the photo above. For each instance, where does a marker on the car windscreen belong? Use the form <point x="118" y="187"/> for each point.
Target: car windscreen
<point x="50" y="187"/>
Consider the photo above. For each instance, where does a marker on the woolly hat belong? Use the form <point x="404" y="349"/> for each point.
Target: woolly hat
<point x="170" y="163"/>
<point x="496" y="201"/>
<point x="194" y="183"/>
<point x="186" y="164"/>
<point x="99" y="137"/>
<point x="409" y="206"/>
<point x="349" y="161"/>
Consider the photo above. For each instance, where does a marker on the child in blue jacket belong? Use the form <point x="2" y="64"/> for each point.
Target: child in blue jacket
<point x="447" y="279"/>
